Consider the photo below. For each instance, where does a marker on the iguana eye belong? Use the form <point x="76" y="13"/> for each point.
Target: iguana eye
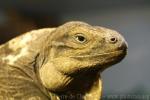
<point x="80" y="38"/>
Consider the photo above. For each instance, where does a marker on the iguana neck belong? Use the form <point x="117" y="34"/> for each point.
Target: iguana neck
<point x="83" y="87"/>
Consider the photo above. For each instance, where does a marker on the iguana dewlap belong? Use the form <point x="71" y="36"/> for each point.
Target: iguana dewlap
<point x="59" y="63"/>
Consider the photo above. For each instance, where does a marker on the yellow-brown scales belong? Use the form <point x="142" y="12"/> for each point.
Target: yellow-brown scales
<point x="59" y="63"/>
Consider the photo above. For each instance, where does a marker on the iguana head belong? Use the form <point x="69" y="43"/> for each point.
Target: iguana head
<point x="75" y="48"/>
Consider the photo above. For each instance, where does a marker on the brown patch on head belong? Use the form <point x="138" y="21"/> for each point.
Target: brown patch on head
<point x="5" y="50"/>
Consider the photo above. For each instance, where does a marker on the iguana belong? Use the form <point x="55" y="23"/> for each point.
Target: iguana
<point x="62" y="63"/>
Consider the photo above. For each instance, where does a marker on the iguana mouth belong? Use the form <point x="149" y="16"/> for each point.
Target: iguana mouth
<point x="120" y="52"/>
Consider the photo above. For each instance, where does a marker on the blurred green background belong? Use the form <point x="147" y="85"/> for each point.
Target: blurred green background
<point x="128" y="80"/>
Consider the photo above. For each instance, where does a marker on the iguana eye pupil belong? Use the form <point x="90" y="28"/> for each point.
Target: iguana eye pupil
<point x="80" y="38"/>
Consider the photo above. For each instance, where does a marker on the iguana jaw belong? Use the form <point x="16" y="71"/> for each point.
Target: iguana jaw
<point x="67" y="76"/>
<point x="99" y="54"/>
<point x="105" y="59"/>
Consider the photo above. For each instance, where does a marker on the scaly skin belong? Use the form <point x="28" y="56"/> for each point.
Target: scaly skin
<point x="59" y="63"/>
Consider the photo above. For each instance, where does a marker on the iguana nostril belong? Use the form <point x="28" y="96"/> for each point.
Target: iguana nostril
<point x="113" y="40"/>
